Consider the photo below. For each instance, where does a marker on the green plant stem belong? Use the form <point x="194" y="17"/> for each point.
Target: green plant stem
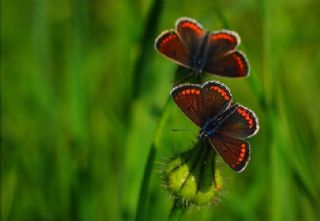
<point x="176" y="211"/>
<point x="143" y="195"/>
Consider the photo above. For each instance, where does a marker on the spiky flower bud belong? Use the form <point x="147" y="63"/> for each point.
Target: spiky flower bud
<point x="191" y="176"/>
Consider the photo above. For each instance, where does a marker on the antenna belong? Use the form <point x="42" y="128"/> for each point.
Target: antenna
<point x="178" y="130"/>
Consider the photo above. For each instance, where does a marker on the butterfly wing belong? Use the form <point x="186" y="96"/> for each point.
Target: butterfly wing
<point x="242" y="123"/>
<point x="222" y="42"/>
<point x="170" y="45"/>
<point x="188" y="97"/>
<point x="216" y="99"/>
<point x="235" y="152"/>
<point x="233" y="64"/>
<point x="200" y="103"/>
<point x="191" y="33"/>
<point x="223" y="59"/>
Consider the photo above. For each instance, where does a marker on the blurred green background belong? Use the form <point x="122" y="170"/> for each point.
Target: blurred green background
<point x="82" y="92"/>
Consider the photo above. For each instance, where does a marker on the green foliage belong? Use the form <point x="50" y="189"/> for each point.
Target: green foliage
<point x="83" y="91"/>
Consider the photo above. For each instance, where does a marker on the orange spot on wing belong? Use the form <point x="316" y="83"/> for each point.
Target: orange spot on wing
<point x="192" y="26"/>
<point x="223" y="36"/>
<point x="167" y="38"/>
<point x="246" y="115"/>
<point x="197" y="92"/>
<point x="239" y="62"/>
<point x="224" y="93"/>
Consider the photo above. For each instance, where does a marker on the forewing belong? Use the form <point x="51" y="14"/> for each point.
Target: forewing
<point x="235" y="152"/>
<point x="216" y="98"/>
<point x="233" y="64"/>
<point x="191" y="33"/>
<point x="188" y="98"/>
<point x="170" y="45"/>
<point x="242" y="123"/>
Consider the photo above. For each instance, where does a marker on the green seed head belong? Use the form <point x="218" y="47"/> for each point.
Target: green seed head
<point x="192" y="177"/>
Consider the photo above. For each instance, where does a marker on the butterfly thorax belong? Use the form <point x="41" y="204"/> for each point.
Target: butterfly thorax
<point x="199" y="60"/>
<point x="213" y="125"/>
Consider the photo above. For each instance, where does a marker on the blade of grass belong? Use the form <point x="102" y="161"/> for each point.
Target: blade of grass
<point x="143" y="196"/>
<point x="141" y="68"/>
<point x="254" y="83"/>
<point x="78" y="102"/>
<point x="147" y="42"/>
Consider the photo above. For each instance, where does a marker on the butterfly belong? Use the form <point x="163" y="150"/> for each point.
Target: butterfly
<point x="224" y="123"/>
<point x="193" y="47"/>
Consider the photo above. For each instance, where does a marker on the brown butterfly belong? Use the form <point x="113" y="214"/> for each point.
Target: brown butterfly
<point x="224" y="123"/>
<point x="193" y="47"/>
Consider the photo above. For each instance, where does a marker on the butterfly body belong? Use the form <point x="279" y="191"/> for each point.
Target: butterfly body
<point x="202" y="51"/>
<point x="198" y="59"/>
<point x="212" y="126"/>
<point x="225" y="124"/>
